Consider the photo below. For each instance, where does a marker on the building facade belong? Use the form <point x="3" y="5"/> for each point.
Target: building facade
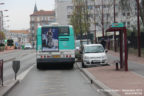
<point x="64" y="9"/>
<point x="40" y="18"/>
<point x="1" y="21"/>
<point x="18" y="36"/>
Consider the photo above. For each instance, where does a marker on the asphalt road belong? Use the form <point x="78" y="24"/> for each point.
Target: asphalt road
<point x="26" y="58"/>
<point x="56" y="82"/>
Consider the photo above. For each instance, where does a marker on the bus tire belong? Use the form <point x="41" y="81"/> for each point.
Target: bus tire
<point x="71" y="66"/>
<point x="38" y="66"/>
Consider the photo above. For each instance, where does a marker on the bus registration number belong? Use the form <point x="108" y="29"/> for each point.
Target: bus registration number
<point x="56" y="56"/>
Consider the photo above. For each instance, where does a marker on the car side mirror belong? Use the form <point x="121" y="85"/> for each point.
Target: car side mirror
<point x="106" y="50"/>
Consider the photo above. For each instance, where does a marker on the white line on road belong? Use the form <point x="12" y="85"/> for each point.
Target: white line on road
<point x="22" y="75"/>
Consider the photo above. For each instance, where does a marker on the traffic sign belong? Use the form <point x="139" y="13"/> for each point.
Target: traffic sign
<point x="16" y="67"/>
<point x="117" y="25"/>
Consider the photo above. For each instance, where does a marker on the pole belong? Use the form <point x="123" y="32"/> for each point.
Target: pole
<point x="2" y="72"/>
<point x="95" y="22"/>
<point x="138" y="27"/>
<point x="115" y="47"/>
<point x="125" y="43"/>
<point x="102" y="21"/>
<point x="121" y="48"/>
<point x="86" y="10"/>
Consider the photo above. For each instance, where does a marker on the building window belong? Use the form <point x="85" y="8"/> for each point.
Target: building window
<point x="128" y="14"/>
<point x="32" y="18"/>
<point x="123" y="14"/>
<point x="124" y="23"/>
<point x="128" y="24"/>
<point x="68" y="16"/>
<point x="69" y="7"/>
<point x="90" y="7"/>
<point x="97" y="6"/>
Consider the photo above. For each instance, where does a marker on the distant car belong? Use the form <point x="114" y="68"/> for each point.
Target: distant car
<point x="93" y="54"/>
<point x="27" y="46"/>
<point x="79" y="47"/>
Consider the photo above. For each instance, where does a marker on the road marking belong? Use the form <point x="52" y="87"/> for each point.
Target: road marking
<point x="56" y="93"/>
<point x="22" y="75"/>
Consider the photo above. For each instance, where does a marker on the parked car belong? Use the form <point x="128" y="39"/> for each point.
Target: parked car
<point x="27" y="46"/>
<point x="93" y="54"/>
<point x="79" y="47"/>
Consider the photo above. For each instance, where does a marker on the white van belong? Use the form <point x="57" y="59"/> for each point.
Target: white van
<point x="93" y="54"/>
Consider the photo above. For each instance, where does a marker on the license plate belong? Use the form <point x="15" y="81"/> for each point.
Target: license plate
<point x="56" y="56"/>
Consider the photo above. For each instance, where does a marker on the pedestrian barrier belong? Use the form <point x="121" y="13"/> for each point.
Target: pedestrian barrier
<point x="117" y="62"/>
<point x="1" y="71"/>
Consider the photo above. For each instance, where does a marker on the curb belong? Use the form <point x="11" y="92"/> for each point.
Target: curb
<point x="7" y="88"/>
<point x="98" y="84"/>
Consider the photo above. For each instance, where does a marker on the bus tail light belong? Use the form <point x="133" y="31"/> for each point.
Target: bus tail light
<point x="42" y="56"/>
<point x="70" y="56"/>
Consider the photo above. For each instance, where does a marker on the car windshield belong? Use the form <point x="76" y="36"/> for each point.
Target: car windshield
<point x="77" y="44"/>
<point x="93" y="49"/>
<point x="27" y="44"/>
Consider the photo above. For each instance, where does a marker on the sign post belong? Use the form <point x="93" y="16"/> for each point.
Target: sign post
<point x="1" y="71"/>
<point x="16" y="67"/>
<point x="123" y="43"/>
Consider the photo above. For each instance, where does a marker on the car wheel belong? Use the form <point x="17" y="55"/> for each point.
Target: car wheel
<point x="83" y="66"/>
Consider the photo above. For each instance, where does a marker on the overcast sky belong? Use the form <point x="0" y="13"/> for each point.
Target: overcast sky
<point x="19" y="11"/>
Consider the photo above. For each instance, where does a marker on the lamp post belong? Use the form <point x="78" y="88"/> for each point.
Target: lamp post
<point x="102" y="21"/>
<point x="115" y="48"/>
<point x="138" y="27"/>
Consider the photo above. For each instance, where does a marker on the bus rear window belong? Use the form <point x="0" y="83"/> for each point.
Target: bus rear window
<point x="64" y="31"/>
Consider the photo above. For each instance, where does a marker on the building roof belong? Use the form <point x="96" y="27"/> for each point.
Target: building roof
<point x="20" y="31"/>
<point x="35" y="8"/>
<point x="43" y="13"/>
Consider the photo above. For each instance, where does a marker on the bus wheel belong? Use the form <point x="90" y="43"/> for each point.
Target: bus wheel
<point x="38" y="66"/>
<point x="71" y="66"/>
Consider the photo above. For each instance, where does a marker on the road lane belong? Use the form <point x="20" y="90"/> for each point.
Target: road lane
<point x="27" y="58"/>
<point x="55" y="83"/>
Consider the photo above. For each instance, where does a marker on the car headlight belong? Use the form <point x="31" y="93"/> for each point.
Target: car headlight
<point x="104" y="57"/>
<point x="86" y="57"/>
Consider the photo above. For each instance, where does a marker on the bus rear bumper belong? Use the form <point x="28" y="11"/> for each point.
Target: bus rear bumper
<point x="56" y="60"/>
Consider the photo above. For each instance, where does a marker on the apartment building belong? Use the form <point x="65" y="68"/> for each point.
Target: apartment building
<point x="18" y="36"/>
<point x="1" y="20"/>
<point x="39" y="18"/>
<point x="64" y="9"/>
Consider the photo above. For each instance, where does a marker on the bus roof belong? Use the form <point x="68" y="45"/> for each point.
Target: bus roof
<point x="55" y="26"/>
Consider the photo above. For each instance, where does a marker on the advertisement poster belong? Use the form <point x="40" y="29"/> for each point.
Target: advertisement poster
<point x="50" y="39"/>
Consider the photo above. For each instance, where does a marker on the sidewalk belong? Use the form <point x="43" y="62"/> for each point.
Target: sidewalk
<point x="131" y="57"/>
<point x="121" y="82"/>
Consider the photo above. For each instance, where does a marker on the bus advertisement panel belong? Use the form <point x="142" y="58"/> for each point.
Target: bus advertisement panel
<point x="50" y="39"/>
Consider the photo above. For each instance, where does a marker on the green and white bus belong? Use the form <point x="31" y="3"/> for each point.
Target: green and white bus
<point x="55" y="46"/>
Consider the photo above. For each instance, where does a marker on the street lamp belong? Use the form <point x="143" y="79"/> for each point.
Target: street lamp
<point x="138" y="27"/>
<point x="102" y="20"/>
<point x="115" y="47"/>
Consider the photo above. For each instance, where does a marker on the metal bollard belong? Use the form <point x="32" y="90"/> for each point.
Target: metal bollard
<point x="117" y="67"/>
<point x="1" y="71"/>
<point x="16" y="67"/>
